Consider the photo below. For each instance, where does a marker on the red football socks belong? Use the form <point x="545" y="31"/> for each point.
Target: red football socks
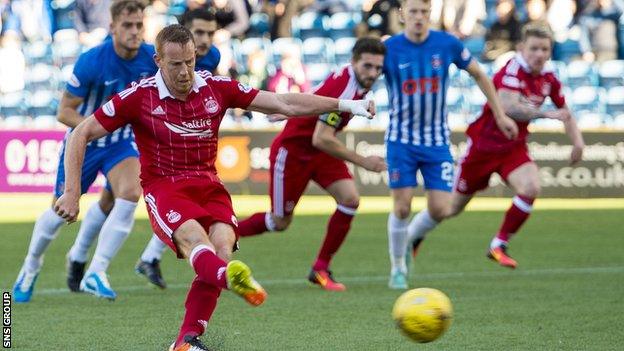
<point x="337" y="229"/>
<point x="516" y="215"/>
<point x="253" y="225"/>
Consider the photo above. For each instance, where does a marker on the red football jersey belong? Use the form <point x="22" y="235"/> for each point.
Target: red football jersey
<point x="516" y="76"/>
<point x="343" y="85"/>
<point x="176" y="139"/>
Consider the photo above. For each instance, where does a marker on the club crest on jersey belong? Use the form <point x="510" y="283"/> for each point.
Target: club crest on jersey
<point x="211" y="105"/>
<point x="173" y="216"/>
<point x="436" y="62"/>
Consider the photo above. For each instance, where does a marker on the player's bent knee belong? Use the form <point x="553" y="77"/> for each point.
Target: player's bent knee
<point x="130" y="194"/>
<point x="439" y="213"/>
<point x="530" y="190"/>
<point x="282" y="223"/>
<point x="402" y="212"/>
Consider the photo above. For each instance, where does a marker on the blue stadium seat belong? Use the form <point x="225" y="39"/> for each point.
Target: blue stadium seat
<point x="618" y="122"/>
<point x="567" y="50"/>
<point x="42" y="76"/>
<point x="66" y="47"/>
<point x="561" y="70"/>
<point x="43" y="103"/>
<point x="310" y="24"/>
<point x="317" y="72"/>
<point x="283" y="45"/>
<point x="476" y="100"/>
<point x="615" y="101"/>
<point x="475" y="45"/>
<point x="581" y="73"/>
<point x="13" y="104"/>
<point x="66" y="73"/>
<point x="258" y="25"/>
<point x="454" y="100"/>
<point x="381" y="100"/>
<point x="587" y="98"/>
<point x="38" y="52"/>
<point x="342" y="25"/>
<point x="342" y="50"/>
<point x="611" y="73"/>
<point x="318" y="50"/>
<point x="590" y="120"/>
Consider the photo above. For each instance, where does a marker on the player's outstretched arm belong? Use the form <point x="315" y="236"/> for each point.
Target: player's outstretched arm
<point x="324" y="139"/>
<point x="574" y="133"/>
<point x="294" y="104"/>
<point x="68" y="110"/>
<point x="504" y="123"/>
<point x="67" y="205"/>
<point x="520" y="109"/>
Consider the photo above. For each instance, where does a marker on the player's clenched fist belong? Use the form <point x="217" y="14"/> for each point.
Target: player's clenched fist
<point x="364" y="108"/>
<point x="67" y="207"/>
<point x="374" y="163"/>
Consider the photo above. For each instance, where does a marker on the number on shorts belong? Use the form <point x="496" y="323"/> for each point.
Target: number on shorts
<point x="447" y="173"/>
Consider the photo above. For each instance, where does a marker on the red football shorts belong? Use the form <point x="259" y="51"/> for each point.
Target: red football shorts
<point x="169" y="204"/>
<point x="476" y="167"/>
<point x="291" y="170"/>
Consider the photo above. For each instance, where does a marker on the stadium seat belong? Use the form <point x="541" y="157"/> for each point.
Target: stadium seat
<point x="476" y="100"/>
<point x="618" y="122"/>
<point x="318" y="50"/>
<point x="561" y="70"/>
<point x="15" y="122"/>
<point x="42" y="76"/>
<point x="567" y="50"/>
<point x="581" y="73"/>
<point x="475" y="45"/>
<point x="611" y="73"/>
<point x="13" y="104"/>
<point x="381" y="100"/>
<point x="283" y="45"/>
<point x="456" y="120"/>
<point x="258" y="25"/>
<point x="43" y="103"/>
<point x="66" y="47"/>
<point x="38" y="52"/>
<point x="590" y="120"/>
<point x="615" y="101"/>
<point x="342" y="25"/>
<point x="342" y="50"/>
<point x="310" y="24"/>
<point x="45" y="122"/>
<point x="454" y="100"/>
<point x="317" y="72"/>
<point x="66" y="72"/>
<point x="587" y="98"/>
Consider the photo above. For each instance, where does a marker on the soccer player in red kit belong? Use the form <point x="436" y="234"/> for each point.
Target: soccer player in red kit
<point x="308" y="149"/>
<point x="523" y="84"/>
<point x="175" y="116"/>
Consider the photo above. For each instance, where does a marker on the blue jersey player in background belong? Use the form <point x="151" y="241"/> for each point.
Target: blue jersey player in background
<point x="418" y="137"/>
<point x="98" y="74"/>
<point x="203" y="25"/>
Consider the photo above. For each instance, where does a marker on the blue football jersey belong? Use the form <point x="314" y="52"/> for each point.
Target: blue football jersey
<point x="210" y="61"/>
<point x="99" y="74"/>
<point x="417" y="80"/>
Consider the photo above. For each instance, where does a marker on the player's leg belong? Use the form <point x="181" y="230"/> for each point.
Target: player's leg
<point x="89" y="229"/>
<point x="347" y="199"/>
<point x="208" y="254"/>
<point x="45" y="230"/>
<point x="402" y="168"/>
<point x="149" y="262"/>
<point x="288" y="180"/>
<point x="122" y="172"/>
<point x="525" y="182"/>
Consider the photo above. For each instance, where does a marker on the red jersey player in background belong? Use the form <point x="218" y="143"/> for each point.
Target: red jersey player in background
<point x="523" y="84"/>
<point x="308" y="149"/>
<point x="175" y="116"/>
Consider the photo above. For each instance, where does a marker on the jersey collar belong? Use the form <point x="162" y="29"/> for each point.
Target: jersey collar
<point x="548" y="67"/>
<point x="164" y="92"/>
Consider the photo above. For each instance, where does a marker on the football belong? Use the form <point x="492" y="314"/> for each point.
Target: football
<point x="423" y="314"/>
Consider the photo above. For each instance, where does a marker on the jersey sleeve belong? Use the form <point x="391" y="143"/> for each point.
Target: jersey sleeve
<point x="556" y="93"/>
<point x="508" y="79"/>
<point x="82" y="77"/>
<point x="333" y="86"/>
<point x="122" y="109"/>
<point x="461" y="56"/>
<point x="234" y="93"/>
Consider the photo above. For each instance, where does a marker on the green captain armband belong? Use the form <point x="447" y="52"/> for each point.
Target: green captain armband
<point x="332" y="119"/>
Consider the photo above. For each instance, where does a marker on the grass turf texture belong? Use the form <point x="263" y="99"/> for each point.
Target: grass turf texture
<point x="568" y="293"/>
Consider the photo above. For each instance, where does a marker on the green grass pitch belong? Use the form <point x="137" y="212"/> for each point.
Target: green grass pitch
<point x="567" y="294"/>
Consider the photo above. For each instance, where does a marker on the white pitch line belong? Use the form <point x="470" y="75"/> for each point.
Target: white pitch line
<point x="372" y="279"/>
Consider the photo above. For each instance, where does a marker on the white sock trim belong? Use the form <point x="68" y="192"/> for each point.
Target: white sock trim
<point x="347" y="210"/>
<point x="522" y="205"/>
<point x="269" y="222"/>
<point x="196" y="250"/>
